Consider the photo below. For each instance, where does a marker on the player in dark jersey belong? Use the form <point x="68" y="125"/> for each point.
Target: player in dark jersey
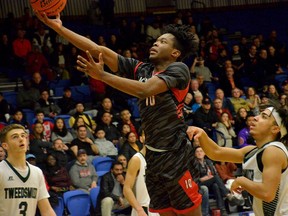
<point x="161" y="86"/>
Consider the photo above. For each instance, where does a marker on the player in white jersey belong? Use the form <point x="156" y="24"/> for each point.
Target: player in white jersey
<point x="135" y="190"/>
<point x="22" y="185"/>
<point x="268" y="161"/>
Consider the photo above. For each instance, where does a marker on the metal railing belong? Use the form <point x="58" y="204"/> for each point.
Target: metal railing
<point x="131" y="7"/>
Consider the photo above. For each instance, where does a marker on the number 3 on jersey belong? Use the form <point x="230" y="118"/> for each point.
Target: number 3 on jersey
<point x="23" y="208"/>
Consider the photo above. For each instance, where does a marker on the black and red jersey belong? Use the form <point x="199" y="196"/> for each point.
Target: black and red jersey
<point x="163" y="123"/>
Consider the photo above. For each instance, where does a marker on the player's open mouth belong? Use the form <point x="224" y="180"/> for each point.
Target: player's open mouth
<point x="153" y="50"/>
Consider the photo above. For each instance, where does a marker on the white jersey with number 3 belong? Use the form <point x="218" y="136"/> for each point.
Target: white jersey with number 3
<point x="20" y="190"/>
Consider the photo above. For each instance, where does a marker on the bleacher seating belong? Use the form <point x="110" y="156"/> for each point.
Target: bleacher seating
<point x="59" y="209"/>
<point x="77" y="202"/>
<point x="79" y="93"/>
<point x="10" y="97"/>
<point x="58" y="83"/>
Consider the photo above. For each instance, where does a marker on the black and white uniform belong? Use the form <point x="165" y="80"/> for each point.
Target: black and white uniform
<point x="20" y="190"/>
<point x="253" y="164"/>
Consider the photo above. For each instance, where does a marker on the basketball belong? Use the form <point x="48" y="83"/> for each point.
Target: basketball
<point x="50" y="7"/>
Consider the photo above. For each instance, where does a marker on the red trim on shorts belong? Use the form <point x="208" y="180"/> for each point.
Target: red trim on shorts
<point x="161" y="210"/>
<point x="184" y="211"/>
<point x="192" y="191"/>
<point x="170" y="209"/>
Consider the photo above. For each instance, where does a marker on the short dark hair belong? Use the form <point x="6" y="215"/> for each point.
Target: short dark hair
<point x="185" y="41"/>
<point x="115" y="163"/>
<point x="80" y="126"/>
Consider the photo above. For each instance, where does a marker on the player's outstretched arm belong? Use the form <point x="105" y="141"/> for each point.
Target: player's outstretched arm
<point x="45" y="208"/>
<point x="214" y="151"/>
<point x="110" y="57"/>
<point x="153" y="86"/>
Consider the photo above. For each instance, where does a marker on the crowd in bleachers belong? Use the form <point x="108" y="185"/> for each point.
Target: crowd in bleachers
<point x="65" y="111"/>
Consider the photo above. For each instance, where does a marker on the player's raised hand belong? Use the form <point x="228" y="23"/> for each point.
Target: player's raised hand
<point x="194" y="132"/>
<point x="52" y="23"/>
<point x="90" y="67"/>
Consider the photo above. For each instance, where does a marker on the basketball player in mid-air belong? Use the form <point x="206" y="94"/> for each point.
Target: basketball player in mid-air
<point x="161" y="86"/>
<point x="22" y="185"/>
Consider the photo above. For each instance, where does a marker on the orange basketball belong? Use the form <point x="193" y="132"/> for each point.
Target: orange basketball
<point x="50" y="7"/>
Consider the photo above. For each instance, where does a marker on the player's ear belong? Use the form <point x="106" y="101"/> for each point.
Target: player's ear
<point x="275" y="129"/>
<point x="4" y="145"/>
<point x="176" y="53"/>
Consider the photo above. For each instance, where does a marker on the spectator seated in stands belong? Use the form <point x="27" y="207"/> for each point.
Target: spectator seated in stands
<point x="83" y="173"/>
<point x="4" y="109"/>
<point x="240" y="119"/>
<point x="67" y="104"/>
<point x="229" y="82"/>
<point x="18" y="118"/>
<point x="226" y="103"/>
<point x="198" y="68"/>
<point x="47" y="105"/>
<point x="48" y="125"/>
<point x="253" y="100"/>
<point x="57" y="176"/>
<point x="126" y="118"/>
<point x="80" y="121"/>
<point x="37" y="62"/>
<point x="125" y="129"/>
<point x="21" y="47"/>
<point x="27" y="96"/>
<point x="219" y="109"/>
<point x="123" y="160"/>
<point x="237" y="101"/>
<point x="205" y="117"/>
<point x="225" y="127"/>
<point x="60" y="131"/>
<point x="111" y="131"/>
<point x="39" y="146"/>
<point x="89" y="122"/>
<point x="62" y="152"/>
<point x="111" y="190"/>
<point x="187" y="109"/>
<point x="105" y="147"/>
<point x="83" y="142"/>
<point x="210" y="178"/>
<point x="226" y="172"/>
<point x="198" y="99"/>
<point x="131" y="146"/>
<point x="244" y="137"/>
<point x="107" y="106"/>
<point x="2" y="153"/>
<point x="42" y="39"/>
<point x="37" y="82"/>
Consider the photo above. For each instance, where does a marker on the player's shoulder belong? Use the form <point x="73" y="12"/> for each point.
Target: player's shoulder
<point x="180" y="65"/>
<point x="34" y="168"/>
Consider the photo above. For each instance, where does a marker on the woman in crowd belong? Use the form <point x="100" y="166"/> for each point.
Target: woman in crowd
<point x="39" y="146"/>
<point x="131" y="146"/>
<point x="225" y="127"/>
<point x="253" y="100"/>
<point x="56" y="176"/>
<point x="240" y="119"/>
<point x="60" y="131"/>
